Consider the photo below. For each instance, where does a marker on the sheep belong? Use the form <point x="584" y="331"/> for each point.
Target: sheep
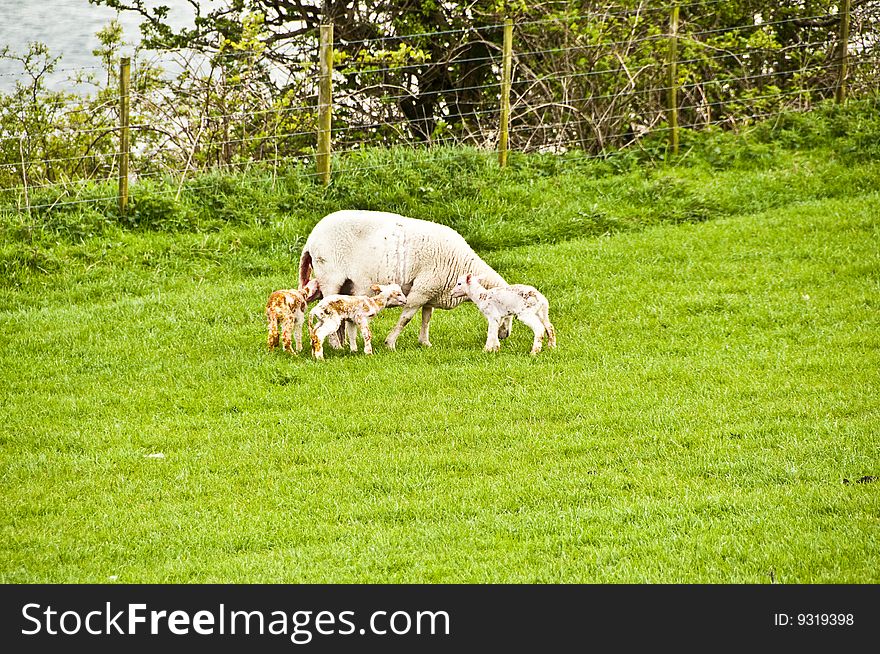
<point x="329" y="314"/>
<point x="350" y="250"/>
<point x="287" y="307"/>
<point x="525" y="302"/>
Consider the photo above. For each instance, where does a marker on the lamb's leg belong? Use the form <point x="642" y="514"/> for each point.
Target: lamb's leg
<point x="272" y="326"/>
<point x="298" y="319"/>
<point x="544" y="315"/>
<point x="317" y="345"/>
<point x="534" y="322"/>
<point x="492" y="344"/>
<point x="322" y="331"/>
<point x="364" y="324"/>
<point x="332" y="286"/>
<point x="286" y="325"/>
<point x="426" y="319"/>
<point x="351" y="335"/>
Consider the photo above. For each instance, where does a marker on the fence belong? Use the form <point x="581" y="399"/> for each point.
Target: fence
<point x="595" y="82"/>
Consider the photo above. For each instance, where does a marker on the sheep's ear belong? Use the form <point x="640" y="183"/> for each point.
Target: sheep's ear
<point x="376" y="288"/>
<point x="468" y="278"/>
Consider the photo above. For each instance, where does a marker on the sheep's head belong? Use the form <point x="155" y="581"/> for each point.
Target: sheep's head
<point x="462" y="284"/>
<point x="392" y="293"/>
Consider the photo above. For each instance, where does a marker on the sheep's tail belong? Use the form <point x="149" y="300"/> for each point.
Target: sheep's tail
<point x="305" y="270"/>
<point x="305" y="267"/>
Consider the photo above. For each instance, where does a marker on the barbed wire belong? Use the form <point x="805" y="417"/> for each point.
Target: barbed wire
<point x="340" y="171"/>
<point x="854" y="60"/>
<point x="54" y="71"/>
<point x="347" y="147"/>
<point x="566" y="103"/>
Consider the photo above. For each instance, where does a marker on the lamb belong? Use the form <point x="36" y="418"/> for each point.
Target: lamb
<point x="350" y="250"/>
<point x="329" y="314"/>
<point x="524" y="302"/>
<point x="287" y="308"/>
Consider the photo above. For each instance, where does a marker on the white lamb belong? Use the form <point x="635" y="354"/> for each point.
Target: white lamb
<point x="328" y="315"/>
<point x="525" y="302"/>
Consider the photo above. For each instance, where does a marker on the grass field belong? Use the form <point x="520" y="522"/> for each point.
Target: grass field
<point x="711" y="414"/>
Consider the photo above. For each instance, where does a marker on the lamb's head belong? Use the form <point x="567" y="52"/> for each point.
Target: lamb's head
<point x="464" y="285"/>
<point x="392" y="293"/>
<point x="310" y="291"/>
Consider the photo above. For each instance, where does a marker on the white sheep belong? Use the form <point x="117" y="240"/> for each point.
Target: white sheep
<point x="525" y="302"/>
<point x="350" y="250"/>
<point x="329" y="314"/>
<point x="286" y="307"/>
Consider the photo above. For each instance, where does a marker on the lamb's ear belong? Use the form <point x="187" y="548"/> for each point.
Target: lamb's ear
<point x="376" y="288"/>
<point x="311" y="290"/>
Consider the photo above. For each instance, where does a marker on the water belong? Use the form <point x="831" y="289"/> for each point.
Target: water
<point x="68" y="27"/>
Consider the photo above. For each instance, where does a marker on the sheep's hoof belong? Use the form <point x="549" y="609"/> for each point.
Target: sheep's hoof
<point x="425" y="343"/>
<point x="390" y="345"/>
<point x="492" y="348"/>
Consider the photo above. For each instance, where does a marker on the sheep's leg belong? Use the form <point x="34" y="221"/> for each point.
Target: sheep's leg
<point x="272" y="325"/>
<point x="426" y="319"/>
<point x="339" y="337"/>
<point x="537" y="326"/>
<point x="298" y="319"/>
<point x="351" y="335"/>
<point x="405" y="316"/>
<point x="414" y="301"/>
<point x="364" y="324"/>
<point x="544" y="315"/>
<point x="492" y="344"/>
<point x="506" y="327"/>
<point x="286" y="325"/>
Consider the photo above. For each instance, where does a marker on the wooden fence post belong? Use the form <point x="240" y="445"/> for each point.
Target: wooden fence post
<point x="672" y="92"/>
<point x="843" y="53"/>
<point x="325" y="102"/>
<point x="504" y="122"/>
<point x="124" y="78"/>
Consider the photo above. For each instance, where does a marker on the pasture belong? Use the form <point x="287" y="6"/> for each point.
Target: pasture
<point x="711" y="414"/>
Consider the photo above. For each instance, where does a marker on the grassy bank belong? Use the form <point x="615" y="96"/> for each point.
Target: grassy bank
<point x="710" y="415"/>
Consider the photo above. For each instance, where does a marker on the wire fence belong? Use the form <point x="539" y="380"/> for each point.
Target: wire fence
<point x="596" y="82"/>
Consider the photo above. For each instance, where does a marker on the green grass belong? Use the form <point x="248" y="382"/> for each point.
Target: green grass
<point x="716" y="382"/>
